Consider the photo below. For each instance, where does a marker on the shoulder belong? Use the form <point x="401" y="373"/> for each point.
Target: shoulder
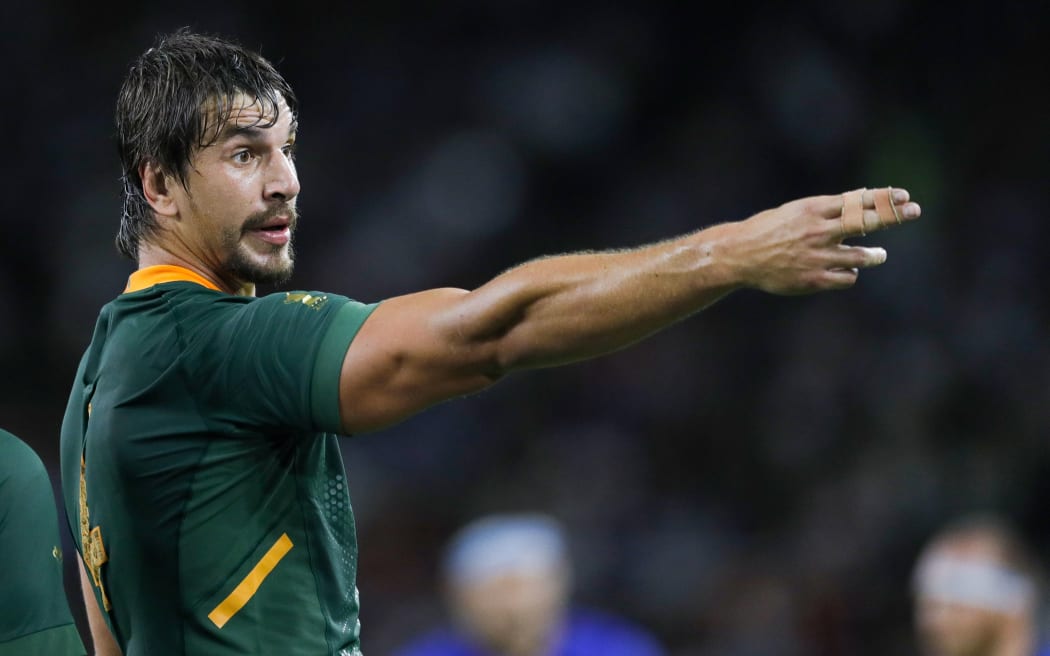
<point x="18" y="460"/>
<point x="175" y="298"/>
<point x="188" y="302"/>
<point x="591" y="630"/>
<point x="141" y="320"/>
<point x="312" y="300"/>
<point x="26" y="496"/>
<point x="305" y="313"/>
<point x="309" y="306"/>
<point x="283" y="305"/>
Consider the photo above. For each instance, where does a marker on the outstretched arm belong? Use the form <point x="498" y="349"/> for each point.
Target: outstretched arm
<point x="419" y="349"/>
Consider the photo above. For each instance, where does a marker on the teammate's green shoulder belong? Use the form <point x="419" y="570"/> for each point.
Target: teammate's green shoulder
<point x="17" y="458"/>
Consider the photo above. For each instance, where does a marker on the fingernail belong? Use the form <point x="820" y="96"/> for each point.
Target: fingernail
<point x="911" y="210"/>
<point x="900" y="196"/>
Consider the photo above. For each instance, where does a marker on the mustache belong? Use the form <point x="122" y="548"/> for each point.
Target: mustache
<point x="262" y="218"/>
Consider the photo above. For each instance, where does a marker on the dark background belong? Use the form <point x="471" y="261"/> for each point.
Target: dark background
<point x="757" y="480"/>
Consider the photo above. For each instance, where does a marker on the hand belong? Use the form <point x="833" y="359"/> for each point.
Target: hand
<point x="797" y="248"/>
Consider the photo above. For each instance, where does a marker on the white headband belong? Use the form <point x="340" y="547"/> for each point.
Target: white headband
<point x="503" y="544"/>
<point x="975" y="583"/>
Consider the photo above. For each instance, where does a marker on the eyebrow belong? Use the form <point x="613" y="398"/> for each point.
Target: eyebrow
<point x="253" y="132"/>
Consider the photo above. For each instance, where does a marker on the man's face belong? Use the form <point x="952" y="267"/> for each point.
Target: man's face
<point x="960" y="611"/>
<point x="513" y="614"/>
<point x="237" y="211"/>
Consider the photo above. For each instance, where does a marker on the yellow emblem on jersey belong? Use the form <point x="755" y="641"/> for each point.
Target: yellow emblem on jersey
<point x="309" y="300"/>
<point x="91" y="541"/>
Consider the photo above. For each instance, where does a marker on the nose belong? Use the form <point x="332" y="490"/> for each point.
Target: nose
<point x="282" y="182"/>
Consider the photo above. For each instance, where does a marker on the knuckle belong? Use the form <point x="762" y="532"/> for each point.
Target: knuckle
<point x="813" y="233"/>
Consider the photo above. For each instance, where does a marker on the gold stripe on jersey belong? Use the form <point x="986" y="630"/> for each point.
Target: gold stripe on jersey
<point x="248" y="586"/>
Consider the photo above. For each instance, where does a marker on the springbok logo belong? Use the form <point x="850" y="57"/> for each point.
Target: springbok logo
<point x="309" y="300"/>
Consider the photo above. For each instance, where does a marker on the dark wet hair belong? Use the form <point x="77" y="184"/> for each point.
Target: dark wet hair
<point x="175" y="100"/>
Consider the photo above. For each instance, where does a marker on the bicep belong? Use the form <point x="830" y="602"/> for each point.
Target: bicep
<point x="101" y="637"/>
<point x="412" y="352"/>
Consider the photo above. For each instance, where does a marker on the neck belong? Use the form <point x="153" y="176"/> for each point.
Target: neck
<point x="153" y="255"/>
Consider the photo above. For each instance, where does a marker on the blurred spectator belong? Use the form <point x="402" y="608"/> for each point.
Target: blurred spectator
<point x="979" y="592"/>
<point x="34" y="612"/>
<point x="508" y="580"/>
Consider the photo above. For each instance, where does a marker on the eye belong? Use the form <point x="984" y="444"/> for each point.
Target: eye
<point x="242" y="156"/>
<point x="289" y="151"/>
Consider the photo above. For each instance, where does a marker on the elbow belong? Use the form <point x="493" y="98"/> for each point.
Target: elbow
<point x="512" y="353"/>
<point x="494" y="374"/>
<point x="493" y="366"/>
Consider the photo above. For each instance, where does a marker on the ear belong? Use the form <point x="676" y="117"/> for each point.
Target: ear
<point x="157" y="186"/>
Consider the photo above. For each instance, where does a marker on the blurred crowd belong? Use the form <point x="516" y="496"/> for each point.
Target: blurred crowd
<point x="757" y="480"/>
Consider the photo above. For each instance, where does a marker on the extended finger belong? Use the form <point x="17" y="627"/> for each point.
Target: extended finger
<point x="887" y="216"/>
<point x="838" y="278"/>
<point x="892" y="205"/>
<point x="830" y="207"/>
<point x="868" y="210"/>
<point x="899" y="196"/>
<point x="857" y="257"/>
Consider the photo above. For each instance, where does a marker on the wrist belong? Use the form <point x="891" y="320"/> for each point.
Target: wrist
<point x="720" y="255"/>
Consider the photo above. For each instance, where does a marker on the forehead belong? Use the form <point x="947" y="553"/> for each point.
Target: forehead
<point x="223" y="117"/>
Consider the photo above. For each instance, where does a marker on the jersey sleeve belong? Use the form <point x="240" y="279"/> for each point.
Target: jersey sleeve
<point x="274" y="363"/>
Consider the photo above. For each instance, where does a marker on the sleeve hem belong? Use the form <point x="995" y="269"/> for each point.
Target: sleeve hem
<point x="324" y="387"/>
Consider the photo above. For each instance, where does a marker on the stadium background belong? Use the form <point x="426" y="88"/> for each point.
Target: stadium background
<point x="753" y="481"/>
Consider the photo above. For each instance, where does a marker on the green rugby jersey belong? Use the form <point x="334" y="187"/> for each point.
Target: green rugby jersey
<point x="201" y="473"/>
<point x="34" y="613"/>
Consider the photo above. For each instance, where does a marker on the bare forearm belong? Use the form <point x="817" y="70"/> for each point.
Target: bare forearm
<point x="571" y="307"/>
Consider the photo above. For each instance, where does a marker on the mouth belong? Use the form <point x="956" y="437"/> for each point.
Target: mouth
<point x="277" y="231"/>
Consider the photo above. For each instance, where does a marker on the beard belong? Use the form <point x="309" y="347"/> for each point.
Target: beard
<point x="278" y="260"/>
